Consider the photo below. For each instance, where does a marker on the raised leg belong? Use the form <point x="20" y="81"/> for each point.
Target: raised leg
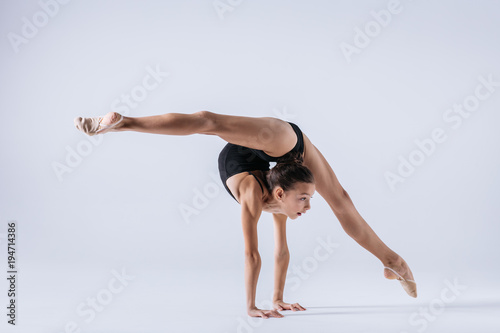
<point x="272" y="135"/>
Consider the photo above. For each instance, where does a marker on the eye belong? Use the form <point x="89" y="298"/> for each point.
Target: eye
<point x="303" y="198"/>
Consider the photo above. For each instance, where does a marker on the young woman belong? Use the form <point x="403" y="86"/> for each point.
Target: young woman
<point x="284" y="190"/>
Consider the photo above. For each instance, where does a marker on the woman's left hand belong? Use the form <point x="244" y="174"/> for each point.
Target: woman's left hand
<point x="280" y="305"/>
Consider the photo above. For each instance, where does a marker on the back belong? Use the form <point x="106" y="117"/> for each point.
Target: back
<point x="234" y="159"/>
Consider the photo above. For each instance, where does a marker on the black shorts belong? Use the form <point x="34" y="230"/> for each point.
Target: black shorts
<point x="235" y="159"/>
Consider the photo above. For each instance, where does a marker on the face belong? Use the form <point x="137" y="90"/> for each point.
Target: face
<point x="296" y="202"/>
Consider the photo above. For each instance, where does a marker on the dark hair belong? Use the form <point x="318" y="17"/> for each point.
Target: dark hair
<point x="287" y="171"/>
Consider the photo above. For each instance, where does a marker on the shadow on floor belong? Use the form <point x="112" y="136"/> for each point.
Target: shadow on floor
<point x="402" y="308"/>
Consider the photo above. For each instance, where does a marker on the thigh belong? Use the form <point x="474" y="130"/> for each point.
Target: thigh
<point x="327" y="184"/>
<point x="274" y="136"/>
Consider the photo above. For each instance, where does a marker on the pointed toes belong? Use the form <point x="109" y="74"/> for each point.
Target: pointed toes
<point x="78" y="122"/>
<point x="88" y="126"/>
<point x="410" y="288"/>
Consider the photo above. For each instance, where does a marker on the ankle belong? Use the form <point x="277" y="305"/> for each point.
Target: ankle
<point x="124" y="124"/>
<point x="392" y="260"/>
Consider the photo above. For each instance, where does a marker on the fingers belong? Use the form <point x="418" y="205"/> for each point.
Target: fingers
<point x="275" y="313"/>
<point x="298" y="307"/>
<point x="271" y="313"/>
<point x="265" y="313"/>
<point x="279" y="307"/>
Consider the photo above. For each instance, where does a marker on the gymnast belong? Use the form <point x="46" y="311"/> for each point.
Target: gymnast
<point x="285" y="190"/>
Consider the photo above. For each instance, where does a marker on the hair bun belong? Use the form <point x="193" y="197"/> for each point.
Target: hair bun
<point x="291" y="158"/>
<point x="289" y="170"/>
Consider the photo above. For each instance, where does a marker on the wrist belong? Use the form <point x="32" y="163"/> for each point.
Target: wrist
<point x="251" y="305"/>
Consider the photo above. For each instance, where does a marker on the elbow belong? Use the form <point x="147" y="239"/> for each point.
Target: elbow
<point x="252" y="257"/>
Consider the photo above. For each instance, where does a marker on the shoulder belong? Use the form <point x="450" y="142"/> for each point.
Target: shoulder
<point x="249" y="187"/>
<point x="250" y="193"/>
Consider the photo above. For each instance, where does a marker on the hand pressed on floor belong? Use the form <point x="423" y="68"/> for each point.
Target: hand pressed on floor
<point x="280" y="305"/>
<point x="255" y="312"/>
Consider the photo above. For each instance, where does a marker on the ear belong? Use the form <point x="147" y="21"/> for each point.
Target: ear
<point x="279" y="193"/>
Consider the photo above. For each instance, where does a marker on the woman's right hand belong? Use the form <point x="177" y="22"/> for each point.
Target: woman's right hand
<point x="255" y="312"/>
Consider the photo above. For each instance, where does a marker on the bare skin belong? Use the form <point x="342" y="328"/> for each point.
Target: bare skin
<point x="275" y="137"/>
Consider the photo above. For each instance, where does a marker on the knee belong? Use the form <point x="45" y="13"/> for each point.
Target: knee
<point x="339" y="201"/>
<point x="208" y="122"/>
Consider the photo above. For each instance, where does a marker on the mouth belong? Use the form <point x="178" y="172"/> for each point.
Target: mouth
<point x="299" y="214"/>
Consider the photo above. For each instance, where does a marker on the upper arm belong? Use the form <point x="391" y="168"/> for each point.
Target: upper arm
<point x="251" y="209"/>
<point x="280" y="244"/>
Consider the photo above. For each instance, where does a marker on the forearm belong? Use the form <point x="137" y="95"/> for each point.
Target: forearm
<point x="280" y="268"/>
<point x="252" y="270"/>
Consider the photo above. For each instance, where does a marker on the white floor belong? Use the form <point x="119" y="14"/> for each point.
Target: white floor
<point x="213" y="301"/>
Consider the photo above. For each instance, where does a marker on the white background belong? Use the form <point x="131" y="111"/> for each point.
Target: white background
<point x="120" y="206"/>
